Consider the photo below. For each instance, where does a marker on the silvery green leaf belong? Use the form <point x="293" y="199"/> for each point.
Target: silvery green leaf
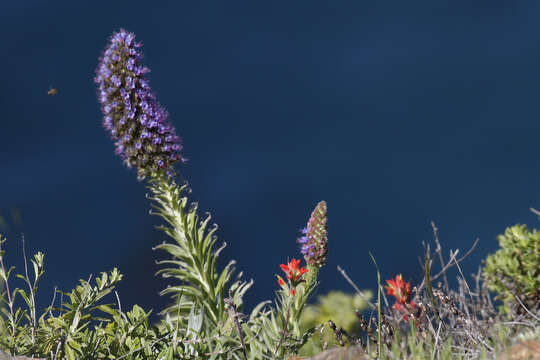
<point x="195" y="320"/>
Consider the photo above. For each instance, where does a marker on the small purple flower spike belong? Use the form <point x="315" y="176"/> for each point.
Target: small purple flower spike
<point x="144" y="138"/>
<point x="314" y="242"/>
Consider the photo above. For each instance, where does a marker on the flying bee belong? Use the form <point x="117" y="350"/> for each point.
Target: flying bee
<point x="52" y="91"/>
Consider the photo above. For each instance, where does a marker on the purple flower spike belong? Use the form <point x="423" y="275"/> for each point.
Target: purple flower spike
<point x="315" y="240"/>
<point x="132" y="116"/>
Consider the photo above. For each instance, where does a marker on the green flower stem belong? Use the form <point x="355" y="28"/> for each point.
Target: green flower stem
<point x="193" y="261"/>
<point x="301" y="298"/>
<point x="4" y="274"/>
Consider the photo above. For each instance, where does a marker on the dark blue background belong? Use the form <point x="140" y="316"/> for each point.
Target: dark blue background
<point x="396" y="113"/>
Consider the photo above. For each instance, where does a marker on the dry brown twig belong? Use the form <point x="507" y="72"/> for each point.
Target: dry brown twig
<point x="233" y="313"/>
<point x="358" y="291"/>
<point x="449" y="265"/>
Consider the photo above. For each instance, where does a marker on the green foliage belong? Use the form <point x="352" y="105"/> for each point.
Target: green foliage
<point x="193" y="260"/>
<point x="82" y="327"/>
<point x="514" y="269"/>
<point x="268" y="331"/>
<point x="336" y="306"/>
<point x="205" y="322"/>
<point x="278" y="328"/>
<point x="205" y="319"/>
<point x="71" y="326"/>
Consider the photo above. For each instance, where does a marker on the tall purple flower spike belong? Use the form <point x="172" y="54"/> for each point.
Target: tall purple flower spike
<point x="314" y="242"/>
<point x="137" y="123"/>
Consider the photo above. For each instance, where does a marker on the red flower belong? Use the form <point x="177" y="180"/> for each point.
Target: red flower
<point x="294" y="275"/>
<point x="293" y="272"/>
<point x="399" y="288"/>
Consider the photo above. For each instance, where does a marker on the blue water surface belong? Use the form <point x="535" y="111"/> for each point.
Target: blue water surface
<point x="396" y="113"/>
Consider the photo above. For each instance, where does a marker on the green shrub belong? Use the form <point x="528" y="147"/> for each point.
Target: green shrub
<point x="514" y="270"/>
<point x="336" y="306"/>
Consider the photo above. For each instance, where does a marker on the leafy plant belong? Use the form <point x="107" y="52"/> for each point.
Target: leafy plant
<point x="194" y="260"/>
<point x="205" y="319"/>
<point x="514" y="270"/>
<point x="336" y="306"/>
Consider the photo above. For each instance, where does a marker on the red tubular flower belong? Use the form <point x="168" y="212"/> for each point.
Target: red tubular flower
<point x="401" y="290"/>
<point x="294" y="274"/>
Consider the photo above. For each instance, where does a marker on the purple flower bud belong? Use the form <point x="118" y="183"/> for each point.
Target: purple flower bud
<point x="144" y="106"/>
<point x="116" y="80"/>
<point x="315" y="240"/>
<point x="130" y="83"/>
<point x="141" y="70"/>
<point x="107" y="123"/>
<point x="143" y="119"/>
<point x="129" y="39"/>
<point x="130" y="64"/>
<point x="119" y="149"/>
<point x="104" y="72"/>
<point x="306" y="248"/>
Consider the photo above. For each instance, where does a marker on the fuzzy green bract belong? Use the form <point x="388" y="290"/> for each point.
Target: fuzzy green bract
<point x="514" y="270"/>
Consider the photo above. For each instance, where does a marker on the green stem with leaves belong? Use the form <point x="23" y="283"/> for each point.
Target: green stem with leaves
<point x="193" y="258"/>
